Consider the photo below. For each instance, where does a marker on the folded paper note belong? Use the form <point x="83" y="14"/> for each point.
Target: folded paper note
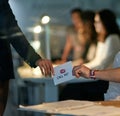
<point x="63" y="73"/>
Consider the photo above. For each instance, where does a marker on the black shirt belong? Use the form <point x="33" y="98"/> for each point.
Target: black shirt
<point x="10" y="33"/>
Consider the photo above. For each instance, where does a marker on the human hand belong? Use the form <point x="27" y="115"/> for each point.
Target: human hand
<point x="81" y="70"/>
<point x="45" y="67"/>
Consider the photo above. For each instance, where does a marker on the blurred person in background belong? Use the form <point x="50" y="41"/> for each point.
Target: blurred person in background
<point x="108" y="44"/>
<point x="72" y="42"/>
<point x="108" y="40"/>
<point x="10" y="33"/>
<point x="87" y="37"/>
<point x="87" y="90"/>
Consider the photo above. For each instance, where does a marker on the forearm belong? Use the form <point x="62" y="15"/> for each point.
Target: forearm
<point x="109" y="75"/>
<point x="66" y="52"/>
<point x="24" y="49"/>
<point x="27" y="53"/>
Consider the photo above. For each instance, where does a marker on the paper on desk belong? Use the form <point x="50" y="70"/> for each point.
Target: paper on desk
<point x="59" y="106"/>
<point x="74" y="107"/>
<point x="63" y="73"/>
<point x="93" y="110"/>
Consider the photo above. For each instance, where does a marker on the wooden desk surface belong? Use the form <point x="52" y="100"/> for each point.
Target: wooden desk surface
<point x="110" y="103"/>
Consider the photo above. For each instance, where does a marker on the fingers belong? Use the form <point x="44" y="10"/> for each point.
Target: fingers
<point x="46" y="67"/>
<point x="76" y="71"/>
<point x="81" y="70"/>
<point x="40" y="65"/>
<point x="51" y="68"/>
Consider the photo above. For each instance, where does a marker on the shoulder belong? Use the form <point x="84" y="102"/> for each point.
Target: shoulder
<point x="113" y="41"/>
<point x="112" y="36"/>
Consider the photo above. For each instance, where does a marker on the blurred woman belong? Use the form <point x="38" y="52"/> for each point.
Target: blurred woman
<point x="87" y="37"/>
<point x="108" y="42"/>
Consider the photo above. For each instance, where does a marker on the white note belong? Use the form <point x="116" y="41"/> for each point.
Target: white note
<point x="63" y="73"/>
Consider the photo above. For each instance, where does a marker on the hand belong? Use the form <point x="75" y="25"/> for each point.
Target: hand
<point x="81" y="70"/>
<point x="45" y="66"/>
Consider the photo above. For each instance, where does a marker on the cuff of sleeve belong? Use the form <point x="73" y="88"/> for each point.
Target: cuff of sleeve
<point x="33" y="60"/>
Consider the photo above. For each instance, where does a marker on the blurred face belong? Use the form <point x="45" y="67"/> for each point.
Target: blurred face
<point x="76" y="19"/>
<point x="99" y="27"/>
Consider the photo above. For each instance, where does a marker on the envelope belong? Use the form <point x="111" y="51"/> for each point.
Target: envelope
<point x="63" y="73"/>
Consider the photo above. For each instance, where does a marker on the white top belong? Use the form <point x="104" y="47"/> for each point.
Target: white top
<point x="104" y="59"/>
<point x="105" y="53"/>
<point x="114" y="88"/>
<point x="91" y="52"/>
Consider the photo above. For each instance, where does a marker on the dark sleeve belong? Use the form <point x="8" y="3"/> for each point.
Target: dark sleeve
<point x="22" y="46"/>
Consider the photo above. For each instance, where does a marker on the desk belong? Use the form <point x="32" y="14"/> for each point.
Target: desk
<point x="110" y="103"/>
<point x="78" y="108"/>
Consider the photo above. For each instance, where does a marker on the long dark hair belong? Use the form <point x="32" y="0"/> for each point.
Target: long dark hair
<point x="88" y="17"/>
<point x="108" y="19"/>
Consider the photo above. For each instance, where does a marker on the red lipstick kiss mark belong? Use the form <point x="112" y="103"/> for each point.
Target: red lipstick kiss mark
<point x="62" y="71"/>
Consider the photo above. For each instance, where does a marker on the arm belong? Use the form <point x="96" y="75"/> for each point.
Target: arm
<point x="109" y="75"/>
<point x="22" y="46"/>
<point x="91" y="53"/>
<point x="67" y="48"/>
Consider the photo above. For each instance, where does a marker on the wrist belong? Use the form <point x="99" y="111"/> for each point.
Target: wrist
<point x="92" y="74"/>
<point x="37" y="62"/>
